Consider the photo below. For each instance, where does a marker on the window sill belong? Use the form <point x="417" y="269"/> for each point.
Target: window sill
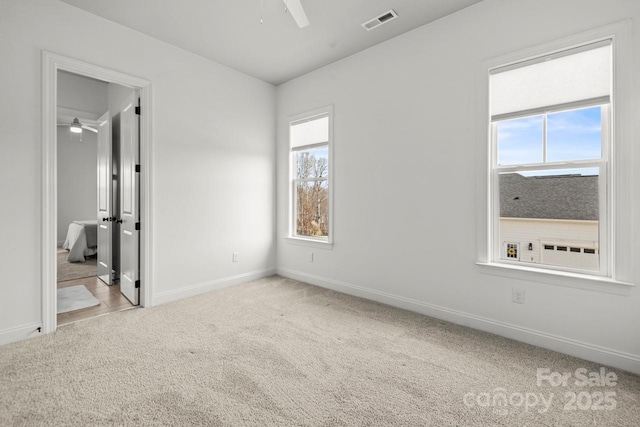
<point x="561" y="278"/>
<point x="309" y="242"/>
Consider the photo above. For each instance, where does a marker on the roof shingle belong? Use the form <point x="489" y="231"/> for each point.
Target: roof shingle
<point x="549" y="197"/>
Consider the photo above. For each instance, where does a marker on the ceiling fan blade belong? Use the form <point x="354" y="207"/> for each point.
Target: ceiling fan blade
<point x="295" y="9"/>
<point x="89" y="128"/>
<point x="85" y="127"/>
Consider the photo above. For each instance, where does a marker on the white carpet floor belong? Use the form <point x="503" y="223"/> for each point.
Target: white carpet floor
<point x="75" y="270"/>
<point x="277" y="352"/>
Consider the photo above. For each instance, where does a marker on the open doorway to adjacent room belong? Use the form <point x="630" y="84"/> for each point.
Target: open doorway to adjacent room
<point x="96" y="191"/>
<point x="89" y="220"/>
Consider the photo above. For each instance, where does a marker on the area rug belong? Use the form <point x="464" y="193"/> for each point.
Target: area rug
<point x="75" y="298"/>
<point x="76" y="270"/>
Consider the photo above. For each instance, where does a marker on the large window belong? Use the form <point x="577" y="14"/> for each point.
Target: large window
<point x="310" y="145"/>
<point x="550" y="140"/>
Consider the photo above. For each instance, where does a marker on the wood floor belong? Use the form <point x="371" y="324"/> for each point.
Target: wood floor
<point x="109" y="296"/>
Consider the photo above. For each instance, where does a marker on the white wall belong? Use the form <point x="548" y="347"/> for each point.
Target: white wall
<point x="77" y="179"/>
<point x="212" y="152"/>
<point x="406" y="162"/>
<point x="82" y="93"/>
<point x="116" y="96"/>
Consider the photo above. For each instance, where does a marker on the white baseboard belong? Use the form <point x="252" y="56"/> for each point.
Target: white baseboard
<point x="201" y="288"/>
<point x="20" y="333"/>
<point x="594" y="353"/>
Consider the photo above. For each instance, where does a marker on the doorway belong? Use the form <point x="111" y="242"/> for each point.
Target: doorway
<point x="89" y="180"/>
<point x="139" y="225"/>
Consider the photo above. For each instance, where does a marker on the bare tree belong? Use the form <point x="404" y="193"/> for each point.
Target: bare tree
<point x="312" y="195"/>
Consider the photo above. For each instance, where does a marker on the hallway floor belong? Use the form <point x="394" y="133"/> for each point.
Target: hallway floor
<point x="110" y="298"/>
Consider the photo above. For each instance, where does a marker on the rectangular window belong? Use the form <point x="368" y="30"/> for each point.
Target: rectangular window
<point x="512" y="251"/>
<point x="550" y="121"/>
<point x="310" y="148"/>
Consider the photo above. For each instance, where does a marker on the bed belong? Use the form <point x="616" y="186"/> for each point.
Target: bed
<point x="82" y="240"/>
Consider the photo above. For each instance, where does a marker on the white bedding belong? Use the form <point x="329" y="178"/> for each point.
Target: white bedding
<point x="81" y="240"/>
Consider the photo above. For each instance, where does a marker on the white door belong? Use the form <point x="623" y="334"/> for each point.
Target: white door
<point x="104" y="199"/>
<point x="129" y="209"/>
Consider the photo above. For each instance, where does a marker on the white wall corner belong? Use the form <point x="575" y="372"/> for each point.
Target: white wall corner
<point x="201" y="288"/>
<point x="617" y="359"/>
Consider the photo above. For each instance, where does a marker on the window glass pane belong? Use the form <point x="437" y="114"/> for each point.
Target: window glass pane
<point x="313" y="163"/>
<point x="520" y="141"/>
<point x="574" y="135"/>
<point x="312" y="209"/>
<point x="310" y="132"/>
<point x="552" y="216"/>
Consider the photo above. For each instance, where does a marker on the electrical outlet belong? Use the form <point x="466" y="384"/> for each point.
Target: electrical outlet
<point x="310" y="256"/>
<point x="517" y="295"/>
<point x="235" y="257"/>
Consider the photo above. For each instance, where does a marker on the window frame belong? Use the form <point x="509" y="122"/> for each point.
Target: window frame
<point x="619" y="277"/>
<point x="292" y="237"/>
<point x="604" y="185"/>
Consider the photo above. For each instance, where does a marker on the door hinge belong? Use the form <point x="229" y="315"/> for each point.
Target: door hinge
<point x="137" y="284"/>
<point x="138" y="168"/>
<point x="137" y="109"/>
<point x="137" y="226"/>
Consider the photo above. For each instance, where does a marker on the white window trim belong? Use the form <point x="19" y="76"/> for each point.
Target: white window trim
<point x="619" y="274"/>
<point x="291" y="236"/>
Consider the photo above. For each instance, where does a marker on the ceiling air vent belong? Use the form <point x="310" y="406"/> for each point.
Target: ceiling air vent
<point x="379" y="20"/>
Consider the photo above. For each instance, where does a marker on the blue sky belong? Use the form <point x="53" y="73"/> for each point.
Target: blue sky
<point x="571" y="135"/>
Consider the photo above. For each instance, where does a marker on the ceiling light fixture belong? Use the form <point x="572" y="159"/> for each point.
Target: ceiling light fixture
<point x="76" y="127"/>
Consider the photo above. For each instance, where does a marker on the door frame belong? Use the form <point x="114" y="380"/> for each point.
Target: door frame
<point x="51" y="64"/>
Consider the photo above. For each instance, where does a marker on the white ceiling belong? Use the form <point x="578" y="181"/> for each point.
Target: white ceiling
<point x="229" y="31"/>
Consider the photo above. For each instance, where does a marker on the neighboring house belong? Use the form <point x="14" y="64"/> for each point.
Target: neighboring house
<point x="550" y="220"/>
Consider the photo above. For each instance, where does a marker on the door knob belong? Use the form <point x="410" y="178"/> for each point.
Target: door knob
<point x="119" y="221"/>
